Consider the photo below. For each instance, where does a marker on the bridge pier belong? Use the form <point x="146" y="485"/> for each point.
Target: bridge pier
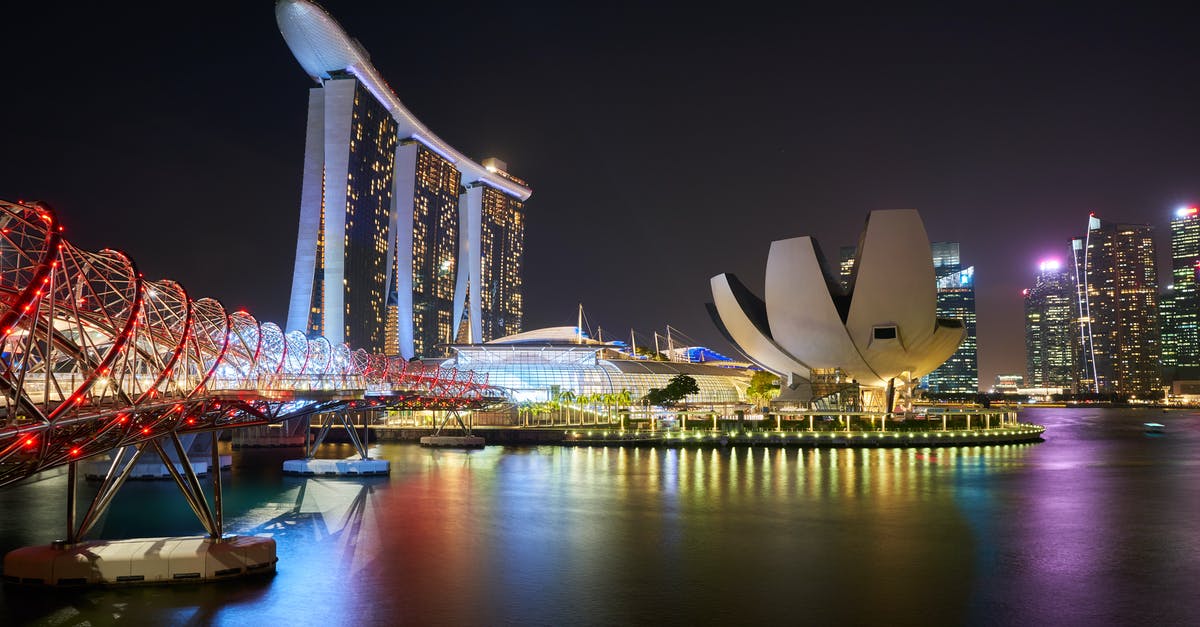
<point x="78" y="562"/>
<point x="364" y="465"/>
<point x="466" y="440"/>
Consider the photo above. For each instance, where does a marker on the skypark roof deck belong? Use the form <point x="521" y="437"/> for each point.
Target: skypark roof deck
<point x="323" y="48"/>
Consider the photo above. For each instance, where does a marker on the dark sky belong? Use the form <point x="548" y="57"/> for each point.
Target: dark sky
<point x="664" y="145"/>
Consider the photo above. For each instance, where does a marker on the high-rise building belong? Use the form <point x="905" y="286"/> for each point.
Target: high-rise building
<point x="498" y="295"/>
<point x="1179" y="305"/>
<point x="1050" y="323"/>
<point x="1117" y="304"/>
<point x="846" y="256"/>
<point x="1168" y="333"/>
<point x="391" y="253"/>
<point x="955" y="300"/>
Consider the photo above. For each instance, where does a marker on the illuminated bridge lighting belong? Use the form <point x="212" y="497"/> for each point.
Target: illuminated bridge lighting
<point x="94" y="357"/>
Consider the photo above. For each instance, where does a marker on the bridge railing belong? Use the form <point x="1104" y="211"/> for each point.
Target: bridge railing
<point x="93" y="356"/>
<point x="289" y="382"/>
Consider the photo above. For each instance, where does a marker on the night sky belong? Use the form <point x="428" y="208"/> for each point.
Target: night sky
<point x="664" y="145"/>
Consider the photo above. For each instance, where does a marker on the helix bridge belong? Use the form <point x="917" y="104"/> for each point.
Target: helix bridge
<point x="95" y="359"/>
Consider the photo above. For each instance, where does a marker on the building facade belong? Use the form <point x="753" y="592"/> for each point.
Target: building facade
<point x="502" y="241"/>
<point x="1008" y="384"/>
<point x="1117" y="303"/>
<point x="393" y="219"/>
<point x="1050" y="323"/>
<point x="1179" y="305"/>
<point x="340" y="279"/>
<point x="956" y="301"/>
<point x="536" y="366"/>
<point x="846" y="256"/>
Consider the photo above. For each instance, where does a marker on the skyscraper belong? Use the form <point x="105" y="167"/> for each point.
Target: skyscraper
<point x="392" y="218"/>
<point x="955" y="300"/>
<point x="1050" y="319"/>
<point x="1117" y="302"/>
<point x="346" y="200"/>
<point x="497" y="295"/>
<point x="1168" y="333"/>
<point x="1179" y="309"/>
<point x="846" y="257"/>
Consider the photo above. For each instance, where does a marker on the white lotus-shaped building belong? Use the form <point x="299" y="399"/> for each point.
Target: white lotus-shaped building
<point x="883" y="327"/>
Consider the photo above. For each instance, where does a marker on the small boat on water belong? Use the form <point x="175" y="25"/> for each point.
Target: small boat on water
<point x="1154" y="427"/>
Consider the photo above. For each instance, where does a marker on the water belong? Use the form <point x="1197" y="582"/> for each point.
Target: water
<point x="1099" y="524"/>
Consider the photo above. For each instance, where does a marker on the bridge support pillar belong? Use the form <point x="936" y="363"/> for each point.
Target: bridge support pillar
<point x="78" y="562"/>
<point x="363" y="465"/>
<point x="72" y="486"/>
<point x="466" y="440"/>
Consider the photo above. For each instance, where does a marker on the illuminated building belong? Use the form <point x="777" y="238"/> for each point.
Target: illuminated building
<point x="1117" y="307"/>
<point x="491" y="295"/>
<point x="885" y="332"/>
<point x="1008" y="383"/>
<point x="390" y="247"/>
<point x="1179" y="308"/>
<point x="846" y="265"/>
<point x="955" y="300"/>
<point x="1050" y="319"/>
<point x="535" y="366"/>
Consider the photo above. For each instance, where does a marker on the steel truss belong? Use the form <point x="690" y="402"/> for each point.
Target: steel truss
<point x="94" y="358"/>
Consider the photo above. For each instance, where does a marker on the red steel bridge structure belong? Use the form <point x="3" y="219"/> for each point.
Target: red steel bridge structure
<point x="95" y="359"/>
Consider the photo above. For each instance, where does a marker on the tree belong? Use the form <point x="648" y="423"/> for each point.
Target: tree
<point x="764" y="386"/>
<point x="680" y="386"/>
<point x="646" y="352"/>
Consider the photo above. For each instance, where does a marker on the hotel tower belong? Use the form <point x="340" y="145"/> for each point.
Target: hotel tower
<point x="404" y="244"/>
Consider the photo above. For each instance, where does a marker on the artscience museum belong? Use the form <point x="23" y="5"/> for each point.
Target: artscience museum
<point x="878" y="334"/>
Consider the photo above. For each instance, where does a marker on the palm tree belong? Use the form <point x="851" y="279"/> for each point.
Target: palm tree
<point x="568" y="397"/>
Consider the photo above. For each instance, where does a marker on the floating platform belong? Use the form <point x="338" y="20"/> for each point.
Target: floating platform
<point x="453" y="441"/>
<point x="186" y="559"/>
<point x="94" y="470"/>
<point x="354" y="467"/>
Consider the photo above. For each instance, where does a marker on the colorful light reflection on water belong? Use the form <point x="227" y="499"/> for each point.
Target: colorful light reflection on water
<point x="1099" y="524"/>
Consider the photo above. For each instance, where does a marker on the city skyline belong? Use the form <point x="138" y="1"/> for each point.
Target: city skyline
<point x="572" y="120"/>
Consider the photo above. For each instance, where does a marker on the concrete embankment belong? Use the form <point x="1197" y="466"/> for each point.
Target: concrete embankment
<point x="1021" y="433"/>
<point x="607" y="436"/>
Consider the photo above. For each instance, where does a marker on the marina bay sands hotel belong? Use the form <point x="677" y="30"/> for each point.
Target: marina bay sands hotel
<point x="404" y="242"/>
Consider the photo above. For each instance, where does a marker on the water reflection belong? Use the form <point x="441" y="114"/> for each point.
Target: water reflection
<point x="1094" y="525"/>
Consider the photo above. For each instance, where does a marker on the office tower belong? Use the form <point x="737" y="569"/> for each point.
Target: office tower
<point x="955" y="300"/>
<point x="391" y="216"/>
<point x="1179" y="307"/>
<point x="1050" y="320"/>
<point x="846" y="257"/>
<point x="1117" y="304"/>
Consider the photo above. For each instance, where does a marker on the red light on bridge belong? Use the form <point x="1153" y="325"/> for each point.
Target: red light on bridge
<point x="74" y="451"/>
<point x="29" y="442"/>
<point x="145" y="429"/>
<point x="191" y="421"/>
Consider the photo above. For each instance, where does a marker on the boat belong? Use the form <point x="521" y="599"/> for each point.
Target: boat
<point x="1154" y="427"/>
